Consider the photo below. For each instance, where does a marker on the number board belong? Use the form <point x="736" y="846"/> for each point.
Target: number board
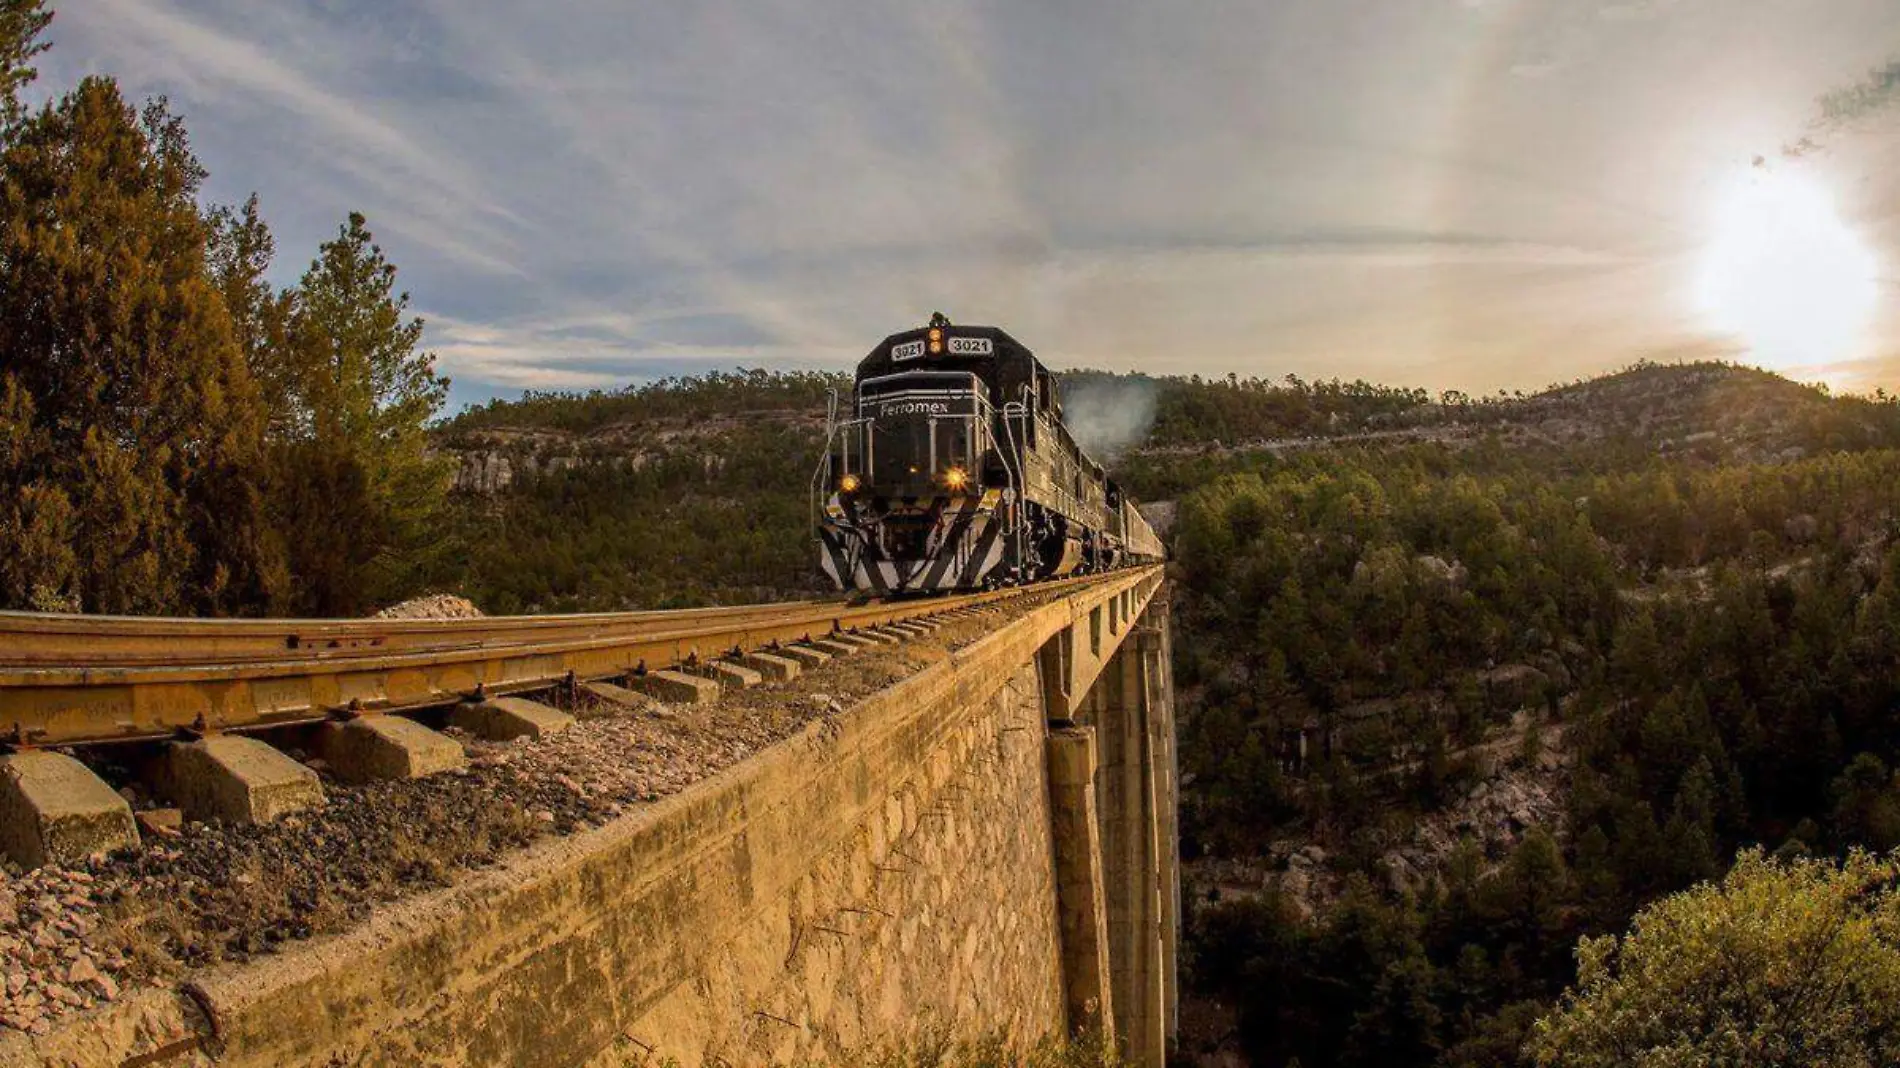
<point x="972" y="346"/>
<point x="909" y="350"/>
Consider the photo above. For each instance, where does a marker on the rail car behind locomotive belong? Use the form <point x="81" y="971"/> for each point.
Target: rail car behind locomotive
<point x="950" y="468"/>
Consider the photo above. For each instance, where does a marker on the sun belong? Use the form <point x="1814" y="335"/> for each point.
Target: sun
<point x="1785" y="275"/>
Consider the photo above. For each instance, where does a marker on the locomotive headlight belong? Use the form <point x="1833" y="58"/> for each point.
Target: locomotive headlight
<point x="936" y="340"/>
<point x="956" y="478"/>
<point x="849" y="483"/>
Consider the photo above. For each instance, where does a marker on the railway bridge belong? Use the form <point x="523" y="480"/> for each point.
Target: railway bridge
<point x="984" y="846"/>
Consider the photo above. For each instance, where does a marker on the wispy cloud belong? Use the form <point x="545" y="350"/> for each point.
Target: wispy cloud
<point x="436" y="201"/>
<point x="582" y="191"/>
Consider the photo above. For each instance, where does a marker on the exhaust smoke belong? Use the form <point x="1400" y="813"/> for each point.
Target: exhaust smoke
<point x="1108" y="415"/>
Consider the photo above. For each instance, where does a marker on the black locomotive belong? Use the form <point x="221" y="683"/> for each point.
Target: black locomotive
<point x="950" y="468"/>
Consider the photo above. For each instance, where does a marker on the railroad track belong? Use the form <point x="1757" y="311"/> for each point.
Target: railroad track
<point x="67" y="680"/>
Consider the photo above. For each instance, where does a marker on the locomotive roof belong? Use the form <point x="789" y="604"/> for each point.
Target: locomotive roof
<point x="884" y="359"/>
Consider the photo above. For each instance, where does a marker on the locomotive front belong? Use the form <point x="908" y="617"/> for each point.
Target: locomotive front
<point x="916" y="491"/>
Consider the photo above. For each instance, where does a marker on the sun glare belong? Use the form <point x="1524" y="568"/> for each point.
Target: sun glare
<point x="1785" y="275"/>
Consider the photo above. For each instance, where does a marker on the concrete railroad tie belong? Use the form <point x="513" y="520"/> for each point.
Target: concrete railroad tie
<point x="730" y="674"/>
<point x="54" y="810"/>
<point x="773" y="666"/>
<point x="805" y="656"/>
<point x="383" y="746"/>
<point x="236" y="779"/>
<point x="616" y="695"/>
<point x="675" y="687"/>
<point x="499" y="719"/>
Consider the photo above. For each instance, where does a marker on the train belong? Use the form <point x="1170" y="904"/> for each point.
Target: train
<point x="950" y="468"/>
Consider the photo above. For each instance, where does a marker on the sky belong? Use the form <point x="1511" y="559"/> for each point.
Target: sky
<point x="1472" y="194"/>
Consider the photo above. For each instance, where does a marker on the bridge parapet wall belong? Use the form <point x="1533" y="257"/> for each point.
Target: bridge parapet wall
<point x="887" y="869"/>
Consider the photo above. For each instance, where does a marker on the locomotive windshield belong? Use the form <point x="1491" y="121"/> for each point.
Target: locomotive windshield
<point x="923" y="426"/>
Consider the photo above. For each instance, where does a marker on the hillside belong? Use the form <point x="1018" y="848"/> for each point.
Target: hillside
<point x="1707" y="412"/>
<point x="1457" y="695"/>
<point x="691" y="491"/>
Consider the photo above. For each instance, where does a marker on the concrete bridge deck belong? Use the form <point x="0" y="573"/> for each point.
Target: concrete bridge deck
<point x="986" y="845"/>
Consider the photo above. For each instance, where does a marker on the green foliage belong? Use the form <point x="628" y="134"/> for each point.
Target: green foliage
<point x="1715" y="640"/>
<point x="21" y="23"/>
<point x="1867" y="804"/>
<point x="722" y="518"/>
<point x="1191" y="411"/>
<point x="360" y="485"/>
<point x="175" y="435"/>
<point x="1795" y="964"/>
<point x="240" y="254"/>
<point x="714" y="394"/>
<point x="133" y="429"/>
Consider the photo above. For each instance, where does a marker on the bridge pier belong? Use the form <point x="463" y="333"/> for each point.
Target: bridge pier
<point x="1128" y="711"/>
<point x="1081" y="908"/>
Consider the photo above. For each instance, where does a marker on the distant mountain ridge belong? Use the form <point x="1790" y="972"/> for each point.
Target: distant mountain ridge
<point x="1725" y="412"/>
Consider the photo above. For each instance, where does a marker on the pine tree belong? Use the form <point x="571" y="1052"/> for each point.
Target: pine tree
<point x="21" y="23"/>
<point x="1637" y="662"/>
<point x="367" y="497"/>
<point x="1598" y="888"/>
<point x="240" y="257"/>
<point x="1866" y="805"/>
<point x="38" y="571"/>
<point x="1532" y="884"/>
<point x="1401" y="1023"/>
<point x="126" y="394"/>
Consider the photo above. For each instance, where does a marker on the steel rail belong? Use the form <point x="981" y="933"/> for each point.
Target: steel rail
<point x="89" y="697"/>
<point x="31" y="639"/>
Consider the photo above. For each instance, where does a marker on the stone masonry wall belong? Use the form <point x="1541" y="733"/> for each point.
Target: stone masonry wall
<point x="939" y="909"/>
